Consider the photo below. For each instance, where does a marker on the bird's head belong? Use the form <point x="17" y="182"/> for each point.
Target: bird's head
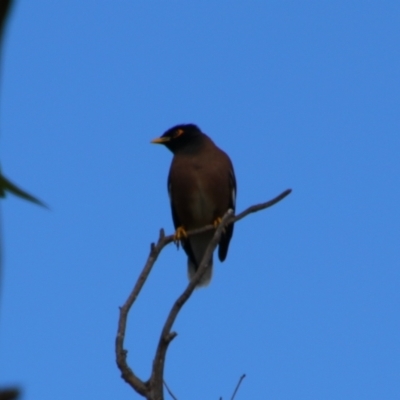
<point x="180" y="138"/>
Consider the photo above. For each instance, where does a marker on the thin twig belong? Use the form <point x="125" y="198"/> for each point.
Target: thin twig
<point x="233" y="219"/>
<point x="237" y="386"/>
<point x="127" y="374"/>
<point x="156" y="379"/>
<point x="166" y="335"/>
<point x="169" y="391"/>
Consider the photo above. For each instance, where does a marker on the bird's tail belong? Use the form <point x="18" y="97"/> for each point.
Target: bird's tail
<point x="206" y="278"/>
<point x="198" y="245"/>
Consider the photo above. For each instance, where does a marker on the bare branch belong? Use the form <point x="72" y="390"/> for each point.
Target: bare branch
<point x="169" y="391"/>
<point x="237" y="386"/>
<point x="233" y="219"/>
<point x="153" y="388"/>
<point x="127" y="374"/>
<point x="166" y="334"/>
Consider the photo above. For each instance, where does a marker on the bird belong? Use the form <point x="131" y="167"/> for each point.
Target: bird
<point x="201" y="188"/>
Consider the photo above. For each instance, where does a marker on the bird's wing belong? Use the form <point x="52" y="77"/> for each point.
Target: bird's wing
<point x="227" y="235"/>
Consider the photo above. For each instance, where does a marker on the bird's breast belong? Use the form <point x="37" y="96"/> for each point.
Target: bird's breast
<point x="202" y="207"/>
<point x="197" y="193"/>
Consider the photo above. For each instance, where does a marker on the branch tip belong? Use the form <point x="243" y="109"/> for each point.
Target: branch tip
<point x="237" y="386"/>
<point x="169" y="391"/>
<point x="170" y="337"/>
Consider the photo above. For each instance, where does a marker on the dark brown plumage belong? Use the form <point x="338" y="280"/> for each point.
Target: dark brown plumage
<point x="201" y="187"/>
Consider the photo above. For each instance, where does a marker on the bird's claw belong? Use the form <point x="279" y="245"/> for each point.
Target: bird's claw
<point x="179" y="235"/>
<point x="216" y="222"/>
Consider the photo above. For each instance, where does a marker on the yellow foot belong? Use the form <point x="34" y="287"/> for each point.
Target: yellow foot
<point x="180" y="234"/>
<point x="217" y="222"/>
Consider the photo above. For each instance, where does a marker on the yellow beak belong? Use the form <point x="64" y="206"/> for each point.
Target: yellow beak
<point x="160" y="140"/>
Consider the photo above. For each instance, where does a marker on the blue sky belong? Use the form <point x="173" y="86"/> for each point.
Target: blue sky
<point x="301" y="95"/>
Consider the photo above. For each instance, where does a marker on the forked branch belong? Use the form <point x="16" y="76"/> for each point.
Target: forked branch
<point x="152" y="389"/>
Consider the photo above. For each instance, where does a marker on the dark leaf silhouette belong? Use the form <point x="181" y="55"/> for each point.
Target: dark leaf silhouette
<point x="8" y="186"/>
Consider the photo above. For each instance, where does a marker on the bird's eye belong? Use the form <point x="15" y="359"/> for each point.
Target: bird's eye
<point x="178" y="133"/>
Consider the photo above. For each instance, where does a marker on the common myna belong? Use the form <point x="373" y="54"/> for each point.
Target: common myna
<point x="201" y="188"/>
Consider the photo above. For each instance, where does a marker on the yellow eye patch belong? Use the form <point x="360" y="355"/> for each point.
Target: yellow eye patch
<point x="178" y="133"/>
